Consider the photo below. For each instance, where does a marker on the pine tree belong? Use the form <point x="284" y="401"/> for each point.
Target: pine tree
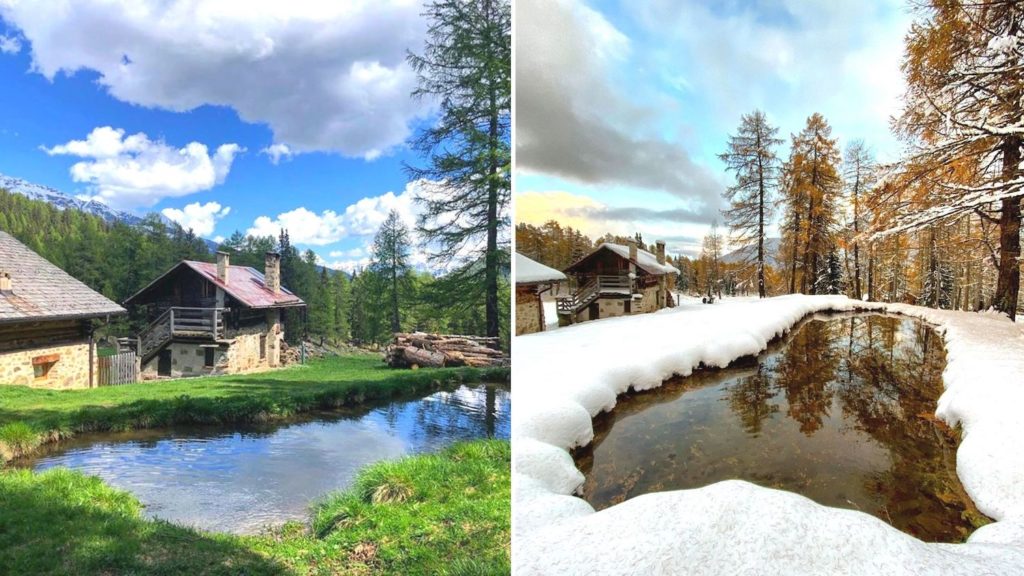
<point x="466" y="65"/>
<point x="751" y="156"/>
<point x="391" y="261"/>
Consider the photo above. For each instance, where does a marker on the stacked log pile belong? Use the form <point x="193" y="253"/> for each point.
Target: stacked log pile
<point x="421" y="350"/>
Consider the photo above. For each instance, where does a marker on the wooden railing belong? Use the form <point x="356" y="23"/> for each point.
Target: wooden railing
<point x="181" y="322"/>
<point x="591" y="289"/>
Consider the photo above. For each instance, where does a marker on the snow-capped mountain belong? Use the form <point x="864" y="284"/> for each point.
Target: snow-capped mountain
<point x="771" y="249"/>
<point x="63" y="201"/>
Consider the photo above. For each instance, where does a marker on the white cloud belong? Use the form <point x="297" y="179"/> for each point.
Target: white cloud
<point x="200" y="218"/>
<point x="324" y="76"/>
<point x="9" y="45"/>
<point x="277" y="152"/>
<point x="303" y="226"/>
<point x="362" y="218"/>
<point x="350" y="265"/>
<point x="134" y="171"/>
<point x="350" y="253"/>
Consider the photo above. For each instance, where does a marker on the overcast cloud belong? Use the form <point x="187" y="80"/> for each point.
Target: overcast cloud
<point x="574" y="123"/>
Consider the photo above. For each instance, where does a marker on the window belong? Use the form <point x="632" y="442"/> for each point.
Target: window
<point x="210" y="357"/>
<point x="263" y="346"/>
<point x="41" y="365"/>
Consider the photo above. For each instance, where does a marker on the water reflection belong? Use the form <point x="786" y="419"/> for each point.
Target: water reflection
<point x="240" y="479"/>
<point x="841" y="411"/>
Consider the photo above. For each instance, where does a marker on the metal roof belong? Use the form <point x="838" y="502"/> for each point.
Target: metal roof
<point x="245" y="284"/>
<point x="42" y="291"/>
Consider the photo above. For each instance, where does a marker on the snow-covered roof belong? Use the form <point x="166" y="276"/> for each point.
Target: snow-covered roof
<point x="531" y="272"/>
<point x="644" y="259"/>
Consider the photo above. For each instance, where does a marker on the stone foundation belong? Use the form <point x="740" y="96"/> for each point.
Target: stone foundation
<point x="529" y="312"/>
<point x="241" y="353"/>
<point x="68" y="367"/>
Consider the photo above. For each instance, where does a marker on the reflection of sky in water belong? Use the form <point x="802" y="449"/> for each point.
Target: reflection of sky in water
<point x="240" y="481"/>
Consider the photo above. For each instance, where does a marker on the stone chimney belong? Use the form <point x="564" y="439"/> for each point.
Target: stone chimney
<point x="5" y="282"/>
<point x="661" y="251"/>
<point x="272" y="272"/>
<point x="223" y="266"/>
<point x="632" y="250"/>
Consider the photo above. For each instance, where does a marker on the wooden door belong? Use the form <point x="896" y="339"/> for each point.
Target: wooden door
<point x="163" y="363"/>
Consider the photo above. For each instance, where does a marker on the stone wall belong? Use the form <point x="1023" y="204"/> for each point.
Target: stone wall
<point x="189" y="359"/>
<point x="529" y="311"/>
<point x="649" y="303"/>
<point x="244" y="354"/>
<point x="70" y="368"/>
<point x="240" y="354"/>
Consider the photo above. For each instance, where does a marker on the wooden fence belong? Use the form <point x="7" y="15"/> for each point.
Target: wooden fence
<point x="121" y="368"/>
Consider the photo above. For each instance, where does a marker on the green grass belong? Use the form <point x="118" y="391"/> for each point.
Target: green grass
<point x="31" y="417"/>
<point x="445" y="513"/>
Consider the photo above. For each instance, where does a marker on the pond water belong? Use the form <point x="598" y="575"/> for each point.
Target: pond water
<point x="241" y="479"/>
<point x="841" y="411"/>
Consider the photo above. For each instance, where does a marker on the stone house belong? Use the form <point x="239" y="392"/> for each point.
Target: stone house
<point x="46" y="321"/>
<point x="532" y="280"/>
<point x="616" y="280"/>
<point x="208" y="318"/>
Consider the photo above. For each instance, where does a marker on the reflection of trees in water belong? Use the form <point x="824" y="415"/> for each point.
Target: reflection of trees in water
<point x="749" y="399"/>
<point x="893" y="380"/>
<point x="804" y="372"/>
<point x="468" y="413"/>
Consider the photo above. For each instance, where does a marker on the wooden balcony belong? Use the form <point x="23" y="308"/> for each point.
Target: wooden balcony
<point x="594" y="288"/>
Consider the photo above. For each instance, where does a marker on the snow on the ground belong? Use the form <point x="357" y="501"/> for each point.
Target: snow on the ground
<point x="566" y="377"/>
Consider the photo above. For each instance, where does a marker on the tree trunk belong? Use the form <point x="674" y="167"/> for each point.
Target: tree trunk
<point x="760" y="219"/>
<point x="792" y="264"/>
<point x="1008" y="282"/>
<point x="492" y="310"/>
<point x="871" y="272"/>
<point x="856" y="230"/>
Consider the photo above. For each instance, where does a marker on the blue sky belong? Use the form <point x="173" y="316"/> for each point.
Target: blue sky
<point x="622" y="107"/>
<point x="173" y="108"/>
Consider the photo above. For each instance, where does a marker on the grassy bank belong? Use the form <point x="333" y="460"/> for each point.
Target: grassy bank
<point x="445" y="513"/>
<point x="31" y="417"/>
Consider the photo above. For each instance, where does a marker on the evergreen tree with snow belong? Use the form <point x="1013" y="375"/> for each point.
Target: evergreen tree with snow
<point x="830" y="277"/>
<point x="751" y="156"/>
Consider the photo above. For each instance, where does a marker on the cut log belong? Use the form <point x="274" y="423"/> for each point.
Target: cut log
<point x="423" y="357"/>
<point x="435" y="350"/>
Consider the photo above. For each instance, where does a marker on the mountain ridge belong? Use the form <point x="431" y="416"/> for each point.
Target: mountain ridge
<point x="64" y="201"/>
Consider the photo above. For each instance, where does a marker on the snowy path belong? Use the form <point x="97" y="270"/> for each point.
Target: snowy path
<point x="565" y="377"/>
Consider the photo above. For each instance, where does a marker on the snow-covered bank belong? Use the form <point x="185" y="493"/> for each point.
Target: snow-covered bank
<point x="567" y="376"/>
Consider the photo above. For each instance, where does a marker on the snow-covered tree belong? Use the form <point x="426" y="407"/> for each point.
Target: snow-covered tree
<point x="710" y="256"/>
<point x="859" y="170"/>
<point x="751" y="156"/>
<point x="964" y="115"/>
<point x="810" y="191"/>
